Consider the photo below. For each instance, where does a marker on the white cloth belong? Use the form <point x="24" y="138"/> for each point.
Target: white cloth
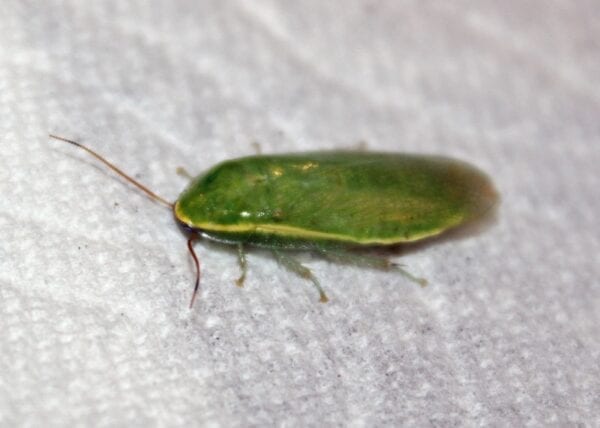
<point x="95" y="279"/>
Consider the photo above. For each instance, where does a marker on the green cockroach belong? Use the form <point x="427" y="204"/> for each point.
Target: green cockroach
<point x="329" y="202"/>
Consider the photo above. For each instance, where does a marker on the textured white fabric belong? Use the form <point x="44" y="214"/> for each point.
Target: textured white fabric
<point x="95" y="279"/>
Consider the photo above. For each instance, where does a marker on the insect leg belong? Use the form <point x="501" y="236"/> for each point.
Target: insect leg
<point x="181" y="171"/>
<point x="347" y="257"/>
<point x="256" y="147"/>
<point x="296" y="267"/>
<point x="243" y="265"/>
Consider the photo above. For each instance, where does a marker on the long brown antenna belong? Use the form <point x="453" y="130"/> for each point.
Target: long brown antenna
<point x="136" y="183"/>
<point x="190" y="245"/>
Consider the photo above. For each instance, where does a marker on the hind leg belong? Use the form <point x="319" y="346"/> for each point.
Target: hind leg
<point x="348" y="257"/>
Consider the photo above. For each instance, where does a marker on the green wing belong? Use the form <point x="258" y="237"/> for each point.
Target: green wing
<point x="354" y="197"/>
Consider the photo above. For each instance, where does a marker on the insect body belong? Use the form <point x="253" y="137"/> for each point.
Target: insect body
<point x="328" y="202"/>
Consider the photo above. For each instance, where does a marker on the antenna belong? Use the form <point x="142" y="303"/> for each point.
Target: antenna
<point x="190" y="245"/>
<point x="136" y="183"/>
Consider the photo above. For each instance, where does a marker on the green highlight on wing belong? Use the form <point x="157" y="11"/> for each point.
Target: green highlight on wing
<point x="295" y="233"/>
<point x="347" y="197"/>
